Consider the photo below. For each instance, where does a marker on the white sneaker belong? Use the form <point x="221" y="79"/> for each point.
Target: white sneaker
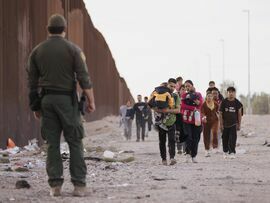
<point x="225" y="155"/>
<point x="232" y="156"/>
<point x="215" y="151"/>
<point x="188" y="158"/>
<point x="207" y="153"/>
<point x="194" y="160"/>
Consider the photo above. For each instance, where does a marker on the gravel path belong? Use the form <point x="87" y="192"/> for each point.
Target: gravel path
<point x="213" y="179"/>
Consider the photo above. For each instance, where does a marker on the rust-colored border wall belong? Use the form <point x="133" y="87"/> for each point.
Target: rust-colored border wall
<point x="23" y="26"/>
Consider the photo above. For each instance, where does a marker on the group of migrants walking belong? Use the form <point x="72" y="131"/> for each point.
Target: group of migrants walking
<point x="143" y="116"/>
<point x="181" y="115"/>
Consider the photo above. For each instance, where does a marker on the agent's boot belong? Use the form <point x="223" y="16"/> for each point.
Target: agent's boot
<point x="55" y="191"/>
<point x="79" y="191"/>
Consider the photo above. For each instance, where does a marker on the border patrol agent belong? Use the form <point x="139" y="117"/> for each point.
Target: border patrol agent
<point x="54" y="66"/>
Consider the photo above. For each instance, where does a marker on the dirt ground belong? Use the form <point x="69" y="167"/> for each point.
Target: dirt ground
<point x="213" y="179"/>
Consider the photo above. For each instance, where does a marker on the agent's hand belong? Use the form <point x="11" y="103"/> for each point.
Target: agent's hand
<point x="37" y="115"/>
<point x="91" y="107"/>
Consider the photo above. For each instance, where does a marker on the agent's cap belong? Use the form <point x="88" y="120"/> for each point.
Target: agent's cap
<point x="57" y="20"/>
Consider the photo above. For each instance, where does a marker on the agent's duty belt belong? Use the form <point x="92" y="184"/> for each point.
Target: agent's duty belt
<point x="57" y="92"/>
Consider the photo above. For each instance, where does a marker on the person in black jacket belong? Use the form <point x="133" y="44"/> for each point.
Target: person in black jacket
<point x="140" y="112"/>
<point x="128" y="121"/>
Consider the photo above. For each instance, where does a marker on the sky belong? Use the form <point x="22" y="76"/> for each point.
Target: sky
<point x="153" y="40"/>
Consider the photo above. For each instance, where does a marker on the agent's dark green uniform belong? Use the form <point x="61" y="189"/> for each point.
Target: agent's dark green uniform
<point x="51" y="66"/>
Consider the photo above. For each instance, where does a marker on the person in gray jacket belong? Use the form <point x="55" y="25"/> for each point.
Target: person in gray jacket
<point x="127" y="116"/>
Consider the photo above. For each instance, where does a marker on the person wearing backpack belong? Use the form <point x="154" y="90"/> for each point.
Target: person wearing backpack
<point x="169" y="122"/>
<point x="191" y="103"/>
<point x="230" y="121"/>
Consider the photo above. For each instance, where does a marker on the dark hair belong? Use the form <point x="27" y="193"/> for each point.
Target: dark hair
<point x="139" y="95"/>
<point x="215" y="89"/>
<point x="56" y="30"/>
<point x="164" y="84"/>
<point x="189" y="81"/>
<point x="231" y="89"/>
<point x="182" y="86"/>
<point x="179" y="78"/>
<point x="212" y="82"/>
<point x="210" y="89"/>
<point x="172" y="80"/>
<point x="145" y="97"/>
<point x="209" y="92"/>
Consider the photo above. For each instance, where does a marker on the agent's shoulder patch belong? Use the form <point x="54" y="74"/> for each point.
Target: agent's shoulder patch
<point x="83" y="56"/>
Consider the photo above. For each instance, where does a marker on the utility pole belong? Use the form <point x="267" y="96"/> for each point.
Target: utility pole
<point x="223" y="59"/>
<point x="249" y="111"/>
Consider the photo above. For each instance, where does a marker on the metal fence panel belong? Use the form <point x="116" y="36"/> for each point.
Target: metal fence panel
<point x="23" y="26"/>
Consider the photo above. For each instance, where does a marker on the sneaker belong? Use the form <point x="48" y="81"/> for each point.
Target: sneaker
<point x="194" y="160"/>
<point x="173" y="162"/>
<point x="179" y="152"/>
<point x="164" y="162"/>
<point x="215" y="151"/>
<point x="79" y="191"/>
<point x="225" y="155"/>
<point x="207" y="153"/>
<point x="55" y="191"/>
<point x="137" y="140"/>
<point x="188" y="158"/>
<point x="232" y="156"/>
